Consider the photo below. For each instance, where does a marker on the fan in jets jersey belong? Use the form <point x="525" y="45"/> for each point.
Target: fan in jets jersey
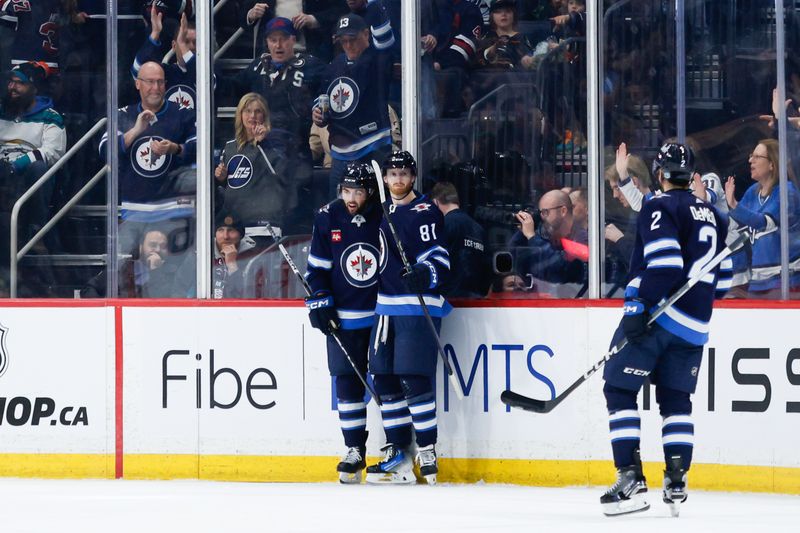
<point x="678" y="234"/>
<point x="145" y="127"/>
<point x="357" y="88"/>
<point x="343" y="275"/>
<point x="403" y="347"/>
<point x="759" y="212"/>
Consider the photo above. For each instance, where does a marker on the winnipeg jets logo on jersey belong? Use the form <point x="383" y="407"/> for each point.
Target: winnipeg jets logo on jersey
<point x="359" y="263"/>
<point x="240" y="170"/>
<point x="146" y="163"/>
<point x="182" y="96"/>
<point x="344" y="94"/>
<point x="358" y="220"/>
<point x="421" y="207"/>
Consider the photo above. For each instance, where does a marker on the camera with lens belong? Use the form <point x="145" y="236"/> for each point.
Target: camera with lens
<point x="511" y="218"/>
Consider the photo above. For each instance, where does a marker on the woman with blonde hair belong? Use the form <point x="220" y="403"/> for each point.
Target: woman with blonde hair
<point x="253" y="176"/>
<point x="759" y="212"/>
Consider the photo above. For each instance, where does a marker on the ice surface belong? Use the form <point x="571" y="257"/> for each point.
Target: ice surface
<point x="89" y="506"/>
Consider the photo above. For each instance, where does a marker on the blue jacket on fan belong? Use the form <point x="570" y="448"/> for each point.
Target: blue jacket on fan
<point x="762" y="217"/>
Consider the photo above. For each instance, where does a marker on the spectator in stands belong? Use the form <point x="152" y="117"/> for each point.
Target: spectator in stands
<point x="629" y="179"/>
<point x="465" y="241"/>
<point x="566" y="26"/>
<point x="254" y="176"/>
<point x="455" y="52"/>
<point x="313" y="21"/>
<point x="181" y="76"/>
<point x="505" y="284"/>
<point x="356" y="87"/>
<point x="504" y="47"/>
<point x="548" y="252"/>
<point x="150" y="272"/>
<point x="288" y="82"/>
<point x="580" y="207"/>
<point x="759" y="212"/>
<point x="229" y="247"/>
<point x="155" y="137"/>
<point x="36" y="26"/>
<point x="32" y="139"/>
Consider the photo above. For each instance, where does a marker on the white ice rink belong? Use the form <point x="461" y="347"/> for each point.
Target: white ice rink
<point x="89" y="506"/>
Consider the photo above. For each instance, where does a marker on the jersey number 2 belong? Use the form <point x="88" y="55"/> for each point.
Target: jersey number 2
<point x="709" y="235"/>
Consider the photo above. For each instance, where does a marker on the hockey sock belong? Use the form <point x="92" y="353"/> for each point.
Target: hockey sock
<point x="677" y="427"/>
<point x="352" y="410"/>
<point x="624" y="424"/>
<point x="394" y="411"/>
<point x="422" y="404"/>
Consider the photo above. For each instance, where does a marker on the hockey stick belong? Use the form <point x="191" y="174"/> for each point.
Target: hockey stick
<point x="514" y="399"/>
<point x="407" y="267"/>
<point x="333" y="326"/>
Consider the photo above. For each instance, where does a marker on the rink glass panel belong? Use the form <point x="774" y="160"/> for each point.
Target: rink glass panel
<point x="523" y="128"/>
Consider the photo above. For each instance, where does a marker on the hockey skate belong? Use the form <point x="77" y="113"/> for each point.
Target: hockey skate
<point x="675" y="492"/>
<point x="352" y="464"/>
<point x="426" y="459"/>
<point x="395" y="468"/>
<point x="627" y="494"/>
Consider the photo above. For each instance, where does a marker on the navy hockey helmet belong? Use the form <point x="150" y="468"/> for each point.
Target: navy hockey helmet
<point x="359" y="176"/>
<point x="676" y="161"/>
<point x="401" y="159"/>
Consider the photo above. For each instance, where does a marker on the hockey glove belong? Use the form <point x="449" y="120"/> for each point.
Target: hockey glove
<point x="420" y="277"/>
<point x="322" y="313"/>
<point x="634" y="320"/>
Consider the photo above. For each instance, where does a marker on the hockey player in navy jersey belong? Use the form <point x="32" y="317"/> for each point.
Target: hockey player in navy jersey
<point x="677" y="235"/>
<point x="343" y="275"/>
<point x="403" y="349"/>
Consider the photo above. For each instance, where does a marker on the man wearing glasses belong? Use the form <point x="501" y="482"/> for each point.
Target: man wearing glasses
<point x="156" y="137"/>
<point x="546" y="248"/>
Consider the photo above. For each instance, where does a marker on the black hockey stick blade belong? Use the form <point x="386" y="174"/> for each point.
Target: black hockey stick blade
<point x="513" y="399"/>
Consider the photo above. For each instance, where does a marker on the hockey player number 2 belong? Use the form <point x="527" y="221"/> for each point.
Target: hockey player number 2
<point x="656" y="217"/>
<point x="426" y="230"/>
<point x="707" y="234"/>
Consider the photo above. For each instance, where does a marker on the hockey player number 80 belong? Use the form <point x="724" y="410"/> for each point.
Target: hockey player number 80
<point x="426" y="230"/>
<point x="707" y="234"/>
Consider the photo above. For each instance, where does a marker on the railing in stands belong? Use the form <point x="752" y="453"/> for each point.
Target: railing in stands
<point x="15" y="255"/>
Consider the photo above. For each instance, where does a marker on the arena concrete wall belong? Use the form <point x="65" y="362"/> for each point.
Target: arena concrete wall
<point x="240" y="391"/>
